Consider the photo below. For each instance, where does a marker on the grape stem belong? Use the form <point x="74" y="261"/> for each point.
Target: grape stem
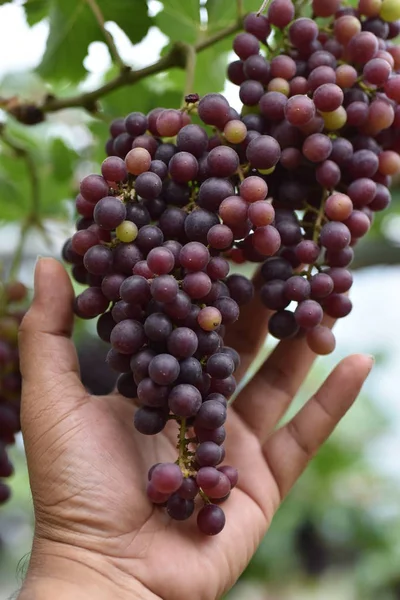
<point x="317" y="226"/>
<point x="33" y="217"/>
<point x="262" y="7"/>
<point x="94" y="7"/>
<point x="190" y="69"/>
<point x="184" y="455"/>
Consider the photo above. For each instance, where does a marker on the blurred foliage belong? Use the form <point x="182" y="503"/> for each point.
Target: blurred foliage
<point x="333" y="522"/>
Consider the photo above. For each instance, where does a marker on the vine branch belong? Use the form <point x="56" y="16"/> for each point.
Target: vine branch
<point x="94" y="7"/>
<point x="176" y="57"/>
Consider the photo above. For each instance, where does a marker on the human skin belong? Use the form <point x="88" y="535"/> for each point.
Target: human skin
<point x="96" y="533"/>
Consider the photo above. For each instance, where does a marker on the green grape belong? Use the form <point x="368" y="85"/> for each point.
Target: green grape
<point x="336" y="119"/>
<point x="126" y="232"/>
<point x="266" y="171"/>
<point x="390" y="10"/>
<point x="235" y="131"/>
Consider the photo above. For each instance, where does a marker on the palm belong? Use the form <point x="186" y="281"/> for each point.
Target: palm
<point x="89" y="485"/>
<point x="107" y="496"/>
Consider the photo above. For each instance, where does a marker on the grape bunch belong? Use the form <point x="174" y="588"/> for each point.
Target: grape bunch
<point x="291" y="182"/>
<point x="11" y="294"/>
<point x="329" y="96"/>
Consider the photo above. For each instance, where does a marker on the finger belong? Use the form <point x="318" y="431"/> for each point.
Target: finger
<point x="249" y="332"/>
<point x="289" y="449"/>
<point x="48" y="359"/>
<point x="266" y="398"/>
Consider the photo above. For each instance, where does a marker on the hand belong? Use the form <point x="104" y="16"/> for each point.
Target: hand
<point x="95" y="528"/>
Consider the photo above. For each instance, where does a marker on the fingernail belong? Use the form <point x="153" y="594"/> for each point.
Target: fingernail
<point x="372" y="361"/>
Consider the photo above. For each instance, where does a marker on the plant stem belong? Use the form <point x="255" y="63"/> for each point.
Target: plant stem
<point x="94" y="7"/>
<point x="262" y="7"/>
<point x="176" y="57"/>
<point x="182" y="446"/>
<point x="240" y="9"/>
<point x="190" y="68"/>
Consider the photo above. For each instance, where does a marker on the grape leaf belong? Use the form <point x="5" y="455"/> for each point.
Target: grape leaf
<point x="180" y="20"/>
<point x="36" y="10"/>
<point x="62" y="160"/>
<point x="54" y="173"/>
<point x="222" y="13"/>
<point x="73" y="27"/>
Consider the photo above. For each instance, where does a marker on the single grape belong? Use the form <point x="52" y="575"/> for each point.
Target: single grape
<point x="184" y="400"/>
<point x="157" y="327"/>
<point x="245" y="45"/>
<point x="335" y="236"/>
<point x="213" y="109"/>
<point x="280" y="13"/>
<point x="138" y="160"/>
<point x="150" y="421"/>
<point x="126" y="385"/>
<point x="283" y="324"/>
<point x="114" y="168"/>
<point x="321" y="286"/>
<point x="150" y="394"/>
<point x="299" y="110"/>
<point x="182" y="342"/>
<point x="179" y="508"/>
<point x="160" y="260"/>
<point x="128" y="336"/>
<point x="209" y="318"/>
<point x="308" y="314"/>
<point x="208" y="454"/>
<point x="166" y="478"/>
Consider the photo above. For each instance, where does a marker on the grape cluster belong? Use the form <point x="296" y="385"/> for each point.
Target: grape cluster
<point x="329" y="96"/>
<point x="150" y="244"/>
<point x="10" y="378"/>
<point x="292" y="183"/>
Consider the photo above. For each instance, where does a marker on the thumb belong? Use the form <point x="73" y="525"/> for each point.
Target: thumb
<point x="48" y="360"/>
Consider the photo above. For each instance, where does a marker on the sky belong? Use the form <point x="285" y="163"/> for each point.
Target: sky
<point x="374" y="324"/>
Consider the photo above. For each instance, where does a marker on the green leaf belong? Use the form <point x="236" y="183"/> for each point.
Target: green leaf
<point x="54" y="175"/>
<point x="36" y="10"/>
<point x="10" y="197"/>
<point x="130" y="15"/>
<point x="222" y="13"/>
<point x="62" y="159"/>
<point x="180" y="20"/>
<point x="73" y="27"/>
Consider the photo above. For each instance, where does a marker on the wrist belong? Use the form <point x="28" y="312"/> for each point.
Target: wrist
<point x="60" y="571"/>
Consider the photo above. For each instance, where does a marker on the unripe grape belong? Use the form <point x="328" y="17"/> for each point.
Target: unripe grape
<point x="336" y="119"/>
<point x="209" y="318"/>
<point x="390" y="10"/>
<point x="235" y="131"/>
<point x="127" y="231"/>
